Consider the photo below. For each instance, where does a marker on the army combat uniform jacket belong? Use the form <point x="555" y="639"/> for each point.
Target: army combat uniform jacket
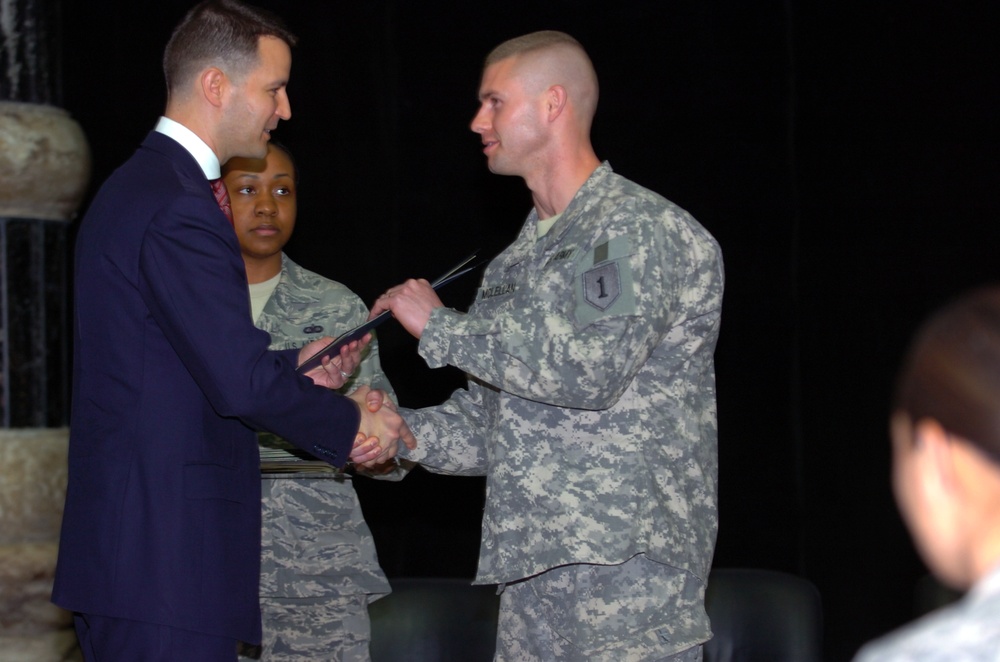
<point x="591" y="405"/>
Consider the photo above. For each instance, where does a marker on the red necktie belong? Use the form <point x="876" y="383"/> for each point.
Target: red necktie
<point x="222" y="197"/>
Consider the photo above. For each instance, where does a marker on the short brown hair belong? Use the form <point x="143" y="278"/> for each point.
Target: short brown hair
<point x="952" y="370"/>
<point x="220" y="32"/>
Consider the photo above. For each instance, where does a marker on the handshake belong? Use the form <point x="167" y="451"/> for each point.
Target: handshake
<point x="381" y="428"/>
<point x="380" y="431"/>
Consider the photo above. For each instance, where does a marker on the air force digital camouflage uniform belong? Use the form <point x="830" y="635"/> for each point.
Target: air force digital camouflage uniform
<point x="967" y="631"/>
<point x="319" y="569"/>
<point x="592" y="412"/>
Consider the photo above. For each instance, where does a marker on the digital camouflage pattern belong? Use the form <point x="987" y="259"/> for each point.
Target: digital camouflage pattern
<point x="315" y="539"/>
<point x="591" y="408"/>
<point x="602" y="613"/>
<point x="306" y="306"/>
<point x="339" y="631"/>
<point x="966" y="631"/>
<point x="318" y="555"/>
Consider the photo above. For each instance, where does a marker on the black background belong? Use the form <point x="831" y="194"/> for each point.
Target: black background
<point x="843" y="154"/>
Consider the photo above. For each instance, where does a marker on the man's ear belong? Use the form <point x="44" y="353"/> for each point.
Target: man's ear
<point x="213" y="84"/>
<point x="555" y="101"/>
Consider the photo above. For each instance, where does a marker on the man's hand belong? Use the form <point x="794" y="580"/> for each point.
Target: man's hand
<point x="366" y="450"/>
<point x="378" y="399"/>
<point x="335" y="371"/>
<point x="411" y="303"/>
<point x="380" y="431"/>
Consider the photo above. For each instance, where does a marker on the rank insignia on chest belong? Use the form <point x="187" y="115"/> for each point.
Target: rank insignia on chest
<point x="602" y="285"/>
<point x="313" y="328"/>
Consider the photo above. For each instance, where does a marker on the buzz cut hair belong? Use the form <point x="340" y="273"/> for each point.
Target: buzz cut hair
<point x="534" y="41"/>
<point x="222" y="33"/>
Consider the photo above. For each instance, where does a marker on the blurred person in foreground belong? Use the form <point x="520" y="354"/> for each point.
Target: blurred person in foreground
<point x="945" y="430"/>
<point x="591" y="403"/>
<point x="319" y="569"/>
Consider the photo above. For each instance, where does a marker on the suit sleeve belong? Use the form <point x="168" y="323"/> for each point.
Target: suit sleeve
<point x="194" y="284"/>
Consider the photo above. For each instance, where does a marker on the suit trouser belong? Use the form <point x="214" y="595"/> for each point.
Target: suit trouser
<point x="104" y="639"/>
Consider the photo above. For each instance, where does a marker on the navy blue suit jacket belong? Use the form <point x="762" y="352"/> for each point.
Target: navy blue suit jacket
<point x="170" y="379"/>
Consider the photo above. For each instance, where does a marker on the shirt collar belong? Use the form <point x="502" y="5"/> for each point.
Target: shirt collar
<point x="195" y="146"/>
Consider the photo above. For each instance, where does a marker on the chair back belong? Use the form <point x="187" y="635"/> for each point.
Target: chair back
<point x="757" y="616"/>
<point x="762" y="616"/>
<point x="434" y="620"/>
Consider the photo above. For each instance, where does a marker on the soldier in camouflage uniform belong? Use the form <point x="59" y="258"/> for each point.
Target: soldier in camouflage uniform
<point x="591" y="404"/>
<point x="319" y="569"/>
<point x="946" y="475"/>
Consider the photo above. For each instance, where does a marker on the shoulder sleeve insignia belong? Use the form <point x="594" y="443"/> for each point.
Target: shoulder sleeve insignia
<point x="602" y="285"/>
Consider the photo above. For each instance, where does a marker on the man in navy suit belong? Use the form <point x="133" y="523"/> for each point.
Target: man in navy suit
<point x="160" y="549"/>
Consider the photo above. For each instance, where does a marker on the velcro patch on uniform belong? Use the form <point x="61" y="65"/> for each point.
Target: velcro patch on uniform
<point x="602" y="285"/>
<point x="606" y="287"/>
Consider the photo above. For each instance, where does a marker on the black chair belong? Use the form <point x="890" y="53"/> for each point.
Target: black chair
<point x="763" y="616"/>
<point x="757" y="616"/>
<point x="434" y="620"/>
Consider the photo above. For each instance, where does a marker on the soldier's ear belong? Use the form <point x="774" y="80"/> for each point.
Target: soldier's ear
<point x="555" y="101"/>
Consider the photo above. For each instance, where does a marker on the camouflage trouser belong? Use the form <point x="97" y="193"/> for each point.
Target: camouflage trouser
<point x="637" y="610"/>
<point x="334" y="629"/>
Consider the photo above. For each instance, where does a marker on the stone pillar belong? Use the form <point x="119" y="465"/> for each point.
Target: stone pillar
<point x="44" y="168"/>
<point x="32" y="489"/>
<point x="44" y="165"/>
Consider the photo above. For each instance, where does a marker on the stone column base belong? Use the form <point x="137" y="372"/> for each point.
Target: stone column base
<point x="32" y="491"/>
<point x="56" y="646"/>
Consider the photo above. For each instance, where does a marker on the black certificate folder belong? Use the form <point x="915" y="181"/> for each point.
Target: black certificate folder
<point x="333" y="349"/>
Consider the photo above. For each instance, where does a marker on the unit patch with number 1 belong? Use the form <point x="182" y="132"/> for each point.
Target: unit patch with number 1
<point x="606" y="287"/>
